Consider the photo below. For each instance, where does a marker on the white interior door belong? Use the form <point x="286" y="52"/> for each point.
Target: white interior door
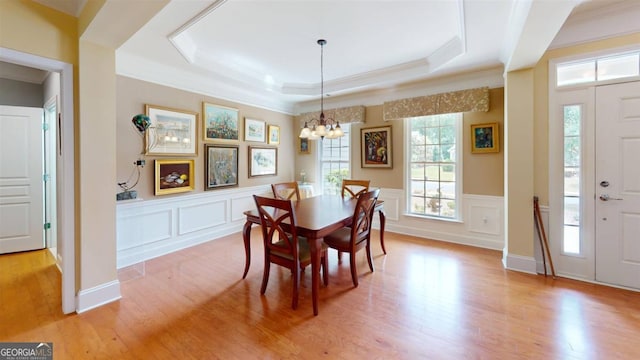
<point x="618" y="184"/>
<point x="21" y="215"/>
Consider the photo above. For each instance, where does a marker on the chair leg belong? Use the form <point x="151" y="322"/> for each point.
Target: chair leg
<point x="354" y="271"/>
<point x="296" y="284"/>
<point x="383" y="220"/>
<point x="339" y="257"/>
<point x="369" y="259"/>
<point x="265" y="276"/>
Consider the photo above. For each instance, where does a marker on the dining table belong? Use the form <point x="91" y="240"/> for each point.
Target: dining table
<point x="316" y="217"/>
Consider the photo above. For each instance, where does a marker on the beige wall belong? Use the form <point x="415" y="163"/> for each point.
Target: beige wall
<point x="489" y="166"/>
<point x="132" y="95"/>
<point x="483" y="174"/>
<point x="97" y="165"/>
<point x="380" y="177"/>
<point x="518" y="162"/>
<point x="35" y="29"/>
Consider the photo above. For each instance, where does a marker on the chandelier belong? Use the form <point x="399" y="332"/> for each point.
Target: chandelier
<point x="322" y="127"/>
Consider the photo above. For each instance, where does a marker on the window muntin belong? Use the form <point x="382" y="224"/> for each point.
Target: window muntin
<point x="433" y="166"/>
<point x="335" y="161"/>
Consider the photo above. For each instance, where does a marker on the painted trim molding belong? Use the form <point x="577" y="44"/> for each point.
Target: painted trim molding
<point x="98" y="295"/>
<point x="525" y="264"/>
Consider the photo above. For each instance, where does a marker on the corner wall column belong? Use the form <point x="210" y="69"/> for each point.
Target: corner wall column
<point x="518" y="171"/>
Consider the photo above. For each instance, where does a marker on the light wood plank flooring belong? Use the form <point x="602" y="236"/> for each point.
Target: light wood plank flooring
<point x="426" y="300"/>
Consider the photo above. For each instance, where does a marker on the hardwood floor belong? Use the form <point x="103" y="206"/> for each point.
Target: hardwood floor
<point x="426" y="299"/>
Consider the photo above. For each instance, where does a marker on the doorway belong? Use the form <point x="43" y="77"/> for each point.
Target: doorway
<point x="594" y="192"/>
<point x="21" y="179"/>
<point x="65" y="169"/>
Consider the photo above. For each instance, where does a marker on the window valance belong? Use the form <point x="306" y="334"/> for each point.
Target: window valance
<point x="345" y="115"/>
<point x="444" y="103"/>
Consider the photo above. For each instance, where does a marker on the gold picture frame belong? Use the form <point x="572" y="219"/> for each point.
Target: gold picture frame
<point x="220" y="123"/>
<point x="174" y="176"/>
<point x="376" y="149"/>
<point x="485" y="138"/>
<point x="304" y="146"/>
<point x="274" y="135"/>
<point x="171" y="132"/>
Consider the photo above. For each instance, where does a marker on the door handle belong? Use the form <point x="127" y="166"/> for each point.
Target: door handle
<point x="606" y="197"/>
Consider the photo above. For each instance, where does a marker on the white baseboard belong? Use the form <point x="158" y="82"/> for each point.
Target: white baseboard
<point x="525" y="264"/>
<point x="97" y="296"/>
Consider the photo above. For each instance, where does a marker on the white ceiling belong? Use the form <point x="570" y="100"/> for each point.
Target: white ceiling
<point x="264" y="52"/>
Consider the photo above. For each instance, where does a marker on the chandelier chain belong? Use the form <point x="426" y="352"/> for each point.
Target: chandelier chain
<point x="334" y="130"/>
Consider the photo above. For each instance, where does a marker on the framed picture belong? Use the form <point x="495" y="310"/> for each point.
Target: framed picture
<point x="221" y="166"/>
<point x="263" y="161"/>
<point x="174" y="176"/>
<point x="376" y="149"/>
<point x="171" y="131"/>
<point x="303" y="146"/>
<point x="485" y="138"/>
<point x="274" y="134"/>
<point x="254" y="130"/>
<point x="220" y="123"/>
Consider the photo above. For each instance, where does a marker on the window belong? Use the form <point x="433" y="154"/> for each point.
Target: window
<point x="600" y="69"/>
<point x="334" y="161"/>
<point x="434" y="165"/>
<point x="572" y="149"/>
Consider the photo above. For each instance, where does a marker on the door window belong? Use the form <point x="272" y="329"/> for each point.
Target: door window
<point x="572" y="170"/>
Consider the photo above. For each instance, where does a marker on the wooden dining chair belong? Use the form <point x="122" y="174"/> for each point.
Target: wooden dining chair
<point x="282" y="245"/>
<point x="286" y="191"/>
<point x="358" y="236"/>
<point x="354" y="188"/>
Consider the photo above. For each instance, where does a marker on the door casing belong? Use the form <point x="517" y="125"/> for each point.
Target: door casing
<point x="65" y="162"/>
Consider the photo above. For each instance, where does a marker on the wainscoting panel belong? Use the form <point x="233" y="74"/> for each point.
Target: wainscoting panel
<point x="201" y="216"/>
<point x="136" y="229"/>
<point x="484" y="214"/>
<point x="148" y="229"/>
<point x="481" y="225"/>
<point x="240" y="204"/>
<point x="391" y="198"/>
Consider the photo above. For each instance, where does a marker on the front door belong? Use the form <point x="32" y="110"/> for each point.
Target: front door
<point x="21" y="215"/>
<point x="617" y="184"/>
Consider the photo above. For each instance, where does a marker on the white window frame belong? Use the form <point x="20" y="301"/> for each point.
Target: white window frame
<point x="458" y="217"/>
